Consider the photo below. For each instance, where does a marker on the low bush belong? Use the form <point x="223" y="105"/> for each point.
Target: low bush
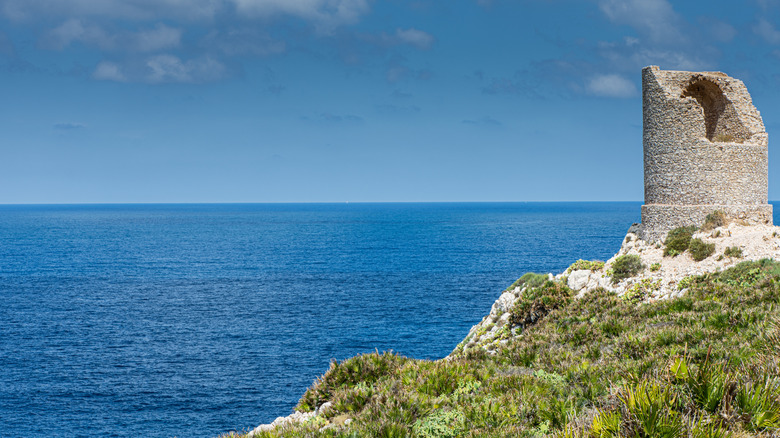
<point x="714" y="220"/>
<point x="748" y="273"/>
<point x="655" y="267"/>
<point x="364" y="368"/>
<point x="537" y="302"/>
<point x="733" y="251"/>
<point x="591" y="265"/>
<point x="677" y="240"/>
<point x="441" y="424"/>
<point x="532" y="279"/>
<point x="700" y="250"/>
<point x="759" y="402"/>
<point x="626" y="266"/>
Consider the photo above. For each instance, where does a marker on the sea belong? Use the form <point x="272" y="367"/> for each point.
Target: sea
<point x="195" y="320"/>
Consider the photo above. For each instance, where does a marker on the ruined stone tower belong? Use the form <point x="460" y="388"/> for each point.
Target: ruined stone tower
<point x="705" y="149"/>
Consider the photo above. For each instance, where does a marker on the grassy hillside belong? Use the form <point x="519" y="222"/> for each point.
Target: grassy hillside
<point x="701" y="365"/>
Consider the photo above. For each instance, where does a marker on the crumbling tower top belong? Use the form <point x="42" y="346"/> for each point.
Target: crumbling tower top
<point x="705" y="149"/>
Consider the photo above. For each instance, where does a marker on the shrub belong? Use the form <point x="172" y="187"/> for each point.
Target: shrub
<point x="649" y="405"/>
<point x="440" y="424"/>
<point x="748" y="273"/>
<point x="626" y="266"/>
<point x="605" y="425"/>
<point x="700" y="250"/>
<point x="733" y="251"/>
<point x="714" y="220"/>
<point x="591" y="265"/>
<point x="758" y="402"/>
<point x="686" y="282"/>
<point x="537" y="302"/>
<point x="677" y="240"/>
<point x="655" y="266"/>
<point x="365" y="368"/>
<point x="532" y="279"/>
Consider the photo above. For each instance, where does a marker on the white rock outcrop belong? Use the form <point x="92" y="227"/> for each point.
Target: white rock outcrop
<point x="660" y="279"/>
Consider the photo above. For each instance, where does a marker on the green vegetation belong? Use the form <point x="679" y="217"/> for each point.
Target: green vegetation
<point x="655" y="267"/>
<point x="733" y="251"/>
<point x="626" y="266"/>
<point x="531" y="279"/>
<point x="537" y="302"/>
<point x="677" y="240"/>
<point x="700" y="250"/>
<point x="714" y="220"/>
<point x="591" y="265"/>
<point x="706" y="364"/>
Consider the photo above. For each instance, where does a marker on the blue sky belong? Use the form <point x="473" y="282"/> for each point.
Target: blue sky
<point x="353" y="100"/>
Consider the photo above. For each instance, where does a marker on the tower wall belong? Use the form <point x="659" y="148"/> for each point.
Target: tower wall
<point x="705" y="149"/>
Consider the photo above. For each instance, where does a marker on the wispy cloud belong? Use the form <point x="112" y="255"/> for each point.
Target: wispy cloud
<point x="483" y="121"/>
<point x="611" y="85"/>
<point x="246" y="41"/>
<point x="109" y="71"/>
<point x="398" y="70"/>
<point x="414" y="37"/>
<point x="160" y="37"/>
<point x="69" y="126"/>
<point x="326" y="15"/>
<point x="169" y="68"/>
<point x="339" y="118"/>
<point x="718" y="30"/>
<point x="29" y="10"/>
<point x="767" y="31"/>
<point x="144" y="40"/>
<point x="653" y="19"/>
<point x="164" y="68"/>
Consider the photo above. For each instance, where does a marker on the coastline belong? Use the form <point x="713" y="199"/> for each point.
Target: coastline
<point x="661" y="279"/>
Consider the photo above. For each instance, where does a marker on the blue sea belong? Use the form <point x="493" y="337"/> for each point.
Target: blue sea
<point x="195" y="320"/>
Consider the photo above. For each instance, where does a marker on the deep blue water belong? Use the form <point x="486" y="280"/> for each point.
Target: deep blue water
<point x="194" y="320"/>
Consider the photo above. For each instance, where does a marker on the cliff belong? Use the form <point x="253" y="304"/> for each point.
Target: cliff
<point x="677" y="339"/>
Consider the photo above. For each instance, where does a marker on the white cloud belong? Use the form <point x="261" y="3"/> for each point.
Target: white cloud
<point x="611" y="85"/>
<point x="29" y="10"/>
<point x="159" y="69"/>
<point x="109" y="71"/>
<point x="415" y="37"/>
<point x="325" y="14"/>
<point x="243" y="42"/>
<point x="74" y="30"/>
<point x="632" y="55"/>
<point x="161" y="37"/>
<point x="719" y="30"/>
<point x="767" y="31"/>
<point x="655" y="19"/>
<point x="169" y="68"/>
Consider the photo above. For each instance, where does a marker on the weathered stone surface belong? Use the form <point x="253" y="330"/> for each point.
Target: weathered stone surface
<point x="578" y="279"/>
<point x="660" y="279"/>
<point x="705" y="149"/>
<point x="295" y="417"/>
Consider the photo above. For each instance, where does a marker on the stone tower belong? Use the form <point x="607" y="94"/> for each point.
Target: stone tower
<point x="705" y="149"/>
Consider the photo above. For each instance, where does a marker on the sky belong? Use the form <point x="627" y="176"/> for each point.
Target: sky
<point x="136" y="101"/>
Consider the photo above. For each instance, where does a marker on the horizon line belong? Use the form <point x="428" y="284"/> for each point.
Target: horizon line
<point x="304" y="202"/>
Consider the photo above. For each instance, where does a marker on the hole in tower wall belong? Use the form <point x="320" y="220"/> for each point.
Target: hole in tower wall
<point x="711" y="100"/>
<point x="721" y="122"/>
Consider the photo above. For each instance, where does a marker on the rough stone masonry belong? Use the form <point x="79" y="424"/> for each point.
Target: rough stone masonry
<point x="705" y="149"/>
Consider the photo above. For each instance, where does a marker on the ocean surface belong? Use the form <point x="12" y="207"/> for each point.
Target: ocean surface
<point x="194" y="320"/>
